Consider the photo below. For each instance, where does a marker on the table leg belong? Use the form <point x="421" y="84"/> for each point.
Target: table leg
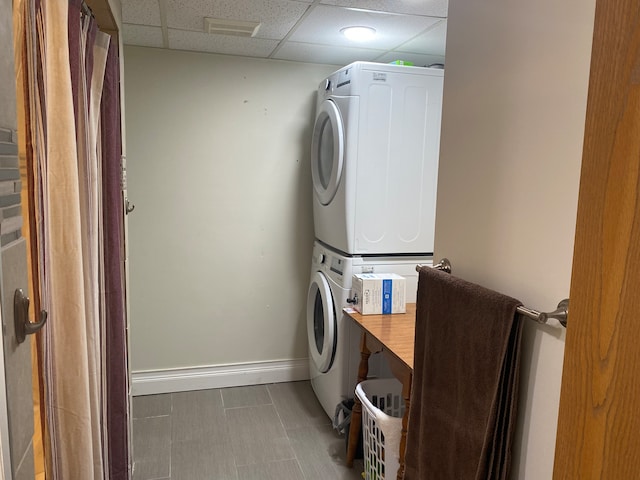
<point x="356" y="415"/>
<point x="406" y="393"/>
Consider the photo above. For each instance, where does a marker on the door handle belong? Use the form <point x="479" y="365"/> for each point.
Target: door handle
<point x="21" y="317"/>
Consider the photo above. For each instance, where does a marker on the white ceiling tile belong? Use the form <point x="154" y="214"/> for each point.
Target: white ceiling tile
<point x="430" y="8"/>
<point x="305" y="52"/>
<point x="142" y="35"/>
<point x="416" y="59"/>
<point x="277" y="16"/>
<point x="433" y="41"/>
<point x="225" y="44"/>
<point x="141" y="12"/>
<point x="324" y="23"/>
<point x="412" y="30"/>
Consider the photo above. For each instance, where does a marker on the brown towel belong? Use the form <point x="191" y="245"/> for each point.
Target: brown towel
<point x="464" y="391"/>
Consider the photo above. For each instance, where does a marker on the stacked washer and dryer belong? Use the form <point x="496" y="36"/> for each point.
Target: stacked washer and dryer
<point x="374" y="163"/>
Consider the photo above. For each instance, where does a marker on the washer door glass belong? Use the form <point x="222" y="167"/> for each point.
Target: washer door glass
<point x="321" y="323"/>
<point x="327" y="152"/>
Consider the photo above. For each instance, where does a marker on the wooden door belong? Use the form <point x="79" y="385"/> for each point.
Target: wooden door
<point x="16" y="409"/>
<point x="599" y="426"/>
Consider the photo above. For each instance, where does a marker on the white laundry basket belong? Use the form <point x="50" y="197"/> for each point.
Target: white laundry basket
<point x="382" y="410"/>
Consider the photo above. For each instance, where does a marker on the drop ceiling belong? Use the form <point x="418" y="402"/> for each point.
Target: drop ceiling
<point x="295" y="30"/>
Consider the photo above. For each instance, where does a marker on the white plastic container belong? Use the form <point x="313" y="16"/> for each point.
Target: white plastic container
<point x="382" y="411"/>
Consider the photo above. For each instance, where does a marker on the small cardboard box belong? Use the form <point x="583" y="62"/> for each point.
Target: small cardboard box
<point x="379" y="293"/>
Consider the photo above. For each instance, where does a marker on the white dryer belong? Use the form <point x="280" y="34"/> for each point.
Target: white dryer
<point x="334" y="352"/>
<point x="374" y="155"/>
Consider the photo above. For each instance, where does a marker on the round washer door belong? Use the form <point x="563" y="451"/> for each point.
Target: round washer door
<point x="327" y="152"/>
<point x="321" y="323"/>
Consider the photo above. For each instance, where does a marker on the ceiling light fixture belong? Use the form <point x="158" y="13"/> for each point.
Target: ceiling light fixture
<point x="359" y="34"/>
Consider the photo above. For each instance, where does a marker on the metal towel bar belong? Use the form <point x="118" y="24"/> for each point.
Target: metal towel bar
<point x="561" y="313"/>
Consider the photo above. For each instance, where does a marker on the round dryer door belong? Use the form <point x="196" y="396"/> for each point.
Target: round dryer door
<point x="327" y="152"/>
<point x="321" y="323"/>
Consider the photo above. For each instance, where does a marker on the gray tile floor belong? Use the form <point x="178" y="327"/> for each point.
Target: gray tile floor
<point x="260" y="432"/>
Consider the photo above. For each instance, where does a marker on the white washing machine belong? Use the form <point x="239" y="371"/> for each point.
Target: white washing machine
<point x="374" y="154"/>
<point x="334" y="352"/>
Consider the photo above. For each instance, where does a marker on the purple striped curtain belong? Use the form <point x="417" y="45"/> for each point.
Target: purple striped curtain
<point x="73" y="103"/>
<point x="116" y="344"/>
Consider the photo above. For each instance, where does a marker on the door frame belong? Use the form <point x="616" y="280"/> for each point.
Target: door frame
<point x="598" y="426"/>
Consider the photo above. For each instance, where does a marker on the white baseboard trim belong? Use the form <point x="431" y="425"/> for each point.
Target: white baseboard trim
<point x="220" y="376"/>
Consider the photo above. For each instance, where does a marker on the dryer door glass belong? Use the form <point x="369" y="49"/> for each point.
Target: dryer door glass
<point x="318" y="322"/>
<point x="327" y="152"/>
<point x="321" y="322"/>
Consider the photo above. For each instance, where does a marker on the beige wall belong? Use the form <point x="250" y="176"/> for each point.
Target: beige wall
<point x="221" y="237"/>
<point x="116" y="10"/>
<point x="513" y="118"/>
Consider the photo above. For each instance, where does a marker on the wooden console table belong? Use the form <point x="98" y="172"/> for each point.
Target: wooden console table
<point x="393" y="335"/>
